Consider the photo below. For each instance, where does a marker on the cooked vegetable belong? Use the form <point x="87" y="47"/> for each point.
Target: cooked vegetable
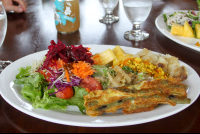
<point x="139" y="65"/>
<point x="132" y="100"/>
<point x="127" y="69"/>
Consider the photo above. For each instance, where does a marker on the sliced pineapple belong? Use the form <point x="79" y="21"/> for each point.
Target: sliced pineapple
<point x="116" y="62"/>
<point x="188" y="31"/>
<point x="104" y="57"/>
<point x="197" y="29"/>
<point x="177" y="29"/>
<point x="118" y="51"/>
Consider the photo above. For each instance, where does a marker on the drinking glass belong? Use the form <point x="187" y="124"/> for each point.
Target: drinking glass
<point x="109" y="6"/>
<point x="3" y="29"/>
<point x="137" y="12"/>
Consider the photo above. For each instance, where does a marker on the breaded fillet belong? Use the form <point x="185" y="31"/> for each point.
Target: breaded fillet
<point x="136" y="98"/>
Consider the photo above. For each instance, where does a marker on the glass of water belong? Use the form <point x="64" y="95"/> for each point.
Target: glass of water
<point x="3" y="29"/>
<point x="109" y="6"/>
<point x="137" y="12"/>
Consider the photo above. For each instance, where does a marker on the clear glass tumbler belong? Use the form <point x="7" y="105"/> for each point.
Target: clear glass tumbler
<point x="109" y="6"/>
<point x="3" y="30"/>
<point x="137" y="12"/>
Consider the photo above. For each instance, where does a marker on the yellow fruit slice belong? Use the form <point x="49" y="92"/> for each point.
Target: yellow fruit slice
<point x="177" y="29"/>
<point x="104" y="57"/>
<point x="197" y="29"/>
<point x="188" y="31"/>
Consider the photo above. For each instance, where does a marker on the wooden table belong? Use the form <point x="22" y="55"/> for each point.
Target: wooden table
<point x="32" y="31"/>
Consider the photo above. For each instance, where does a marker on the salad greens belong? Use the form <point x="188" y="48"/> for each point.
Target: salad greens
<point x="180" y="17"/>
<point x="198" y="2"/>
<point x="36" y="90"/>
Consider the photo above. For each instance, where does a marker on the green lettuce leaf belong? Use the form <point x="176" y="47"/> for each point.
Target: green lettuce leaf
<point x="165" y="17"/>
<point x="198" y="2"/>
<point x="36" y="80"/>
<point x="78" y="99"/>
<point x="51" y="102"/>
<point x="31" y="93"/>
<point x="23" y="72"/>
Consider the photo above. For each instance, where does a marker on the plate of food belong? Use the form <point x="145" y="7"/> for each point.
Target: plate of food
<point x="181" y="26"/>
<point x="99" y="85"/>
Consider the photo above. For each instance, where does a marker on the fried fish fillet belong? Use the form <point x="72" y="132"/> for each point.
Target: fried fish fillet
<point x="136" y="98"/>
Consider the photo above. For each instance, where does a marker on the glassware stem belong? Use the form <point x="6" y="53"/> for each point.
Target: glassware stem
<point x="4" y="64"/>
<point x="136" y="33"/>
<point x="109" y="18"/>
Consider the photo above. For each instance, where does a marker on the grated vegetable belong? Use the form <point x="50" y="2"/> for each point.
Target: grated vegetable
<point x="82" y="69"/>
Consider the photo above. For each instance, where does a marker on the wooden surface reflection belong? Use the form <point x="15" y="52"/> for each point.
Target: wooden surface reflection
<point x="32" y="31"/>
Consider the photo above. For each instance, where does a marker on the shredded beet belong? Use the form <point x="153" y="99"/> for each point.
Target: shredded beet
<point x="68" y="54"/>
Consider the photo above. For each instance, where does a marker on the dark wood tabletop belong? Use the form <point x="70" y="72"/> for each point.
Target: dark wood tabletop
<point x="32" y="31"/>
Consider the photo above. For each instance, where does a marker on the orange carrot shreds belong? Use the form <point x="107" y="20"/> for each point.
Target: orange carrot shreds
<point x="82" y="69"/>
<point x="60" y="63"/>
<point x="197" y="44"/>
<point x="97" y="59"/>
<point x="67" y="75"/>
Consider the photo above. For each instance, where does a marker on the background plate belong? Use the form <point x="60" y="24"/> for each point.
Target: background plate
<point x="72" y="116"/>
<point x="187" y="42"/>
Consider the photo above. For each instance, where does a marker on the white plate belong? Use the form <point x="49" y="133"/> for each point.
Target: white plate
<point x="72" y="116"/>
<point x="185" y="41"/>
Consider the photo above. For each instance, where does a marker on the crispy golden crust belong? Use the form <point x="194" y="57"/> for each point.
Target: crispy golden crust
<point x="137" y="98"/>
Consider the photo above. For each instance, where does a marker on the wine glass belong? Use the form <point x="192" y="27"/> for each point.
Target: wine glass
<point x="109" y="6"/>
<point x="3" y="29"/>
<point x="137" y="12"/>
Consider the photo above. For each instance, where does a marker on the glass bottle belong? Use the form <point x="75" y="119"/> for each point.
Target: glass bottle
<point x="67" y="16"/>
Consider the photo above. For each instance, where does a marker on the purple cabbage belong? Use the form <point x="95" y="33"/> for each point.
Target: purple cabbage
<point x="190" y="22"/>
<point x="61" y="85"/>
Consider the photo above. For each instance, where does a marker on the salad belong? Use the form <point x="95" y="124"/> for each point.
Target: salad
<point x="52" y="84"/>
<point x="73" y="76"/>
<point x="179" y="17"/>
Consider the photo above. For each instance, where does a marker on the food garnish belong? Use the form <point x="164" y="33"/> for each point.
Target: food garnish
<point x="197" y="44"/>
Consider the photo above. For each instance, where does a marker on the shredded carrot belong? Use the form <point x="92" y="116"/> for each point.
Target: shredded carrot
<point x="82" y="69"/>
<point x="67" y="75"/>
<point x="96" y="59"/>
<point x="197" y="44"/>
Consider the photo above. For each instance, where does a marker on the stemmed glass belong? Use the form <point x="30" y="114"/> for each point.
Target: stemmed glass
<point x="3" y="29"/>
<point x="137" y="12"/>
<point x="109" y="6"/>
